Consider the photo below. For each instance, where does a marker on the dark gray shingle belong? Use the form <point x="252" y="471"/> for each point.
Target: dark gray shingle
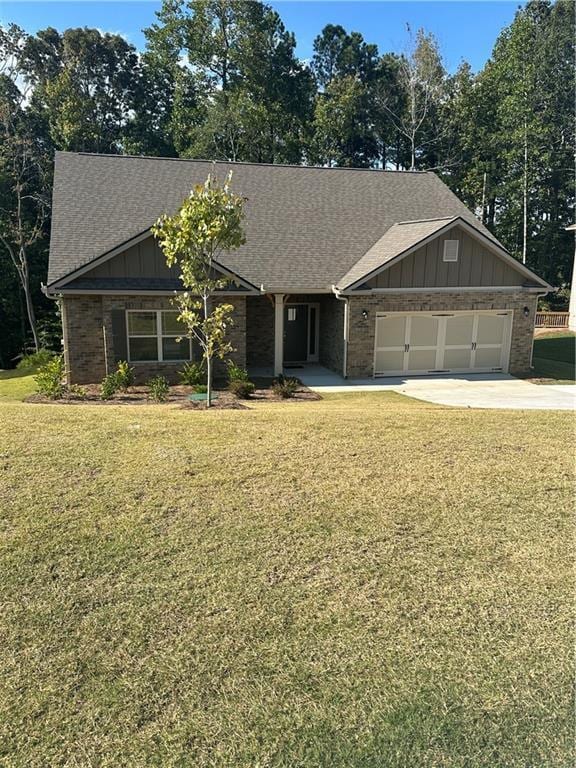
<point x="306" y="227"/>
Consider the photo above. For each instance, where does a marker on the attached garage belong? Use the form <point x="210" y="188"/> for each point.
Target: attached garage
<point x="423" y="343"/>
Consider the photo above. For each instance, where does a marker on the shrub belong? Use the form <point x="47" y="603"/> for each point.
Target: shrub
<point x="242" y="389"/>
<point x="158" y="386"/>
<point x="109" y="386"/>
<point x="35" y="360"/>
<point x="76" y="391"/>
<point x="193" y="374"/>
<point x="236" y="372"/>
<point x="285" y="386"/>
<point x="201" y="388"/>
<point x="50" y="378"/>
<point x="124" y="375"/>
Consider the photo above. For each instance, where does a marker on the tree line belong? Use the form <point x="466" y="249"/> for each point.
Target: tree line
<point x="221" y="80"/>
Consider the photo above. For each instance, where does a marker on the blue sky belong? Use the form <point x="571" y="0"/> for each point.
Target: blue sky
<point x="464" y="29"/>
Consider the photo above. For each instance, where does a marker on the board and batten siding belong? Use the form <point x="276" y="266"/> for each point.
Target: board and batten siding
<point x="144" y="259"/>
<point x="425" y="268"/>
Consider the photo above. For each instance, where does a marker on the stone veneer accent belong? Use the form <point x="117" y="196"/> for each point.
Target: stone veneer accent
<point x="84" y="318"/>
<point x="361" y="332"/>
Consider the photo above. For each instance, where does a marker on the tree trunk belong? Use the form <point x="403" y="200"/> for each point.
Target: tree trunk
<point x="525" y="196"/>
<point x="208" y="360"/>
<point x="25" y="280"/>
<point x="208" y="382"/>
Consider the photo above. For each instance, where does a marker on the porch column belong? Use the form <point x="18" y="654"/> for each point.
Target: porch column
<point x="278" y="333"/>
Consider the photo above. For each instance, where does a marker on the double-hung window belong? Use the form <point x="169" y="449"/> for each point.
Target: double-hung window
<point x="153" y="336"/>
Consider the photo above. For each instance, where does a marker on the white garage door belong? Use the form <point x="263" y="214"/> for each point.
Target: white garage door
<point x="441" y="342"/>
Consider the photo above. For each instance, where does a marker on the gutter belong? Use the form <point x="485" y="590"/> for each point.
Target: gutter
<point x="345" y="299"/>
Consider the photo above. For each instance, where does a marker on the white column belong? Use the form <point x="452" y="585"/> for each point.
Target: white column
<point x="278" y="333"/>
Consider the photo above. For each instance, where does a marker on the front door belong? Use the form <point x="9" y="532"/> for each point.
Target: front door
<point x="295" y="333"/>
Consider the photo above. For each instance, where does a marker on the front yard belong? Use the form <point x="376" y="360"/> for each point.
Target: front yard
<point x="361" y="581"/>
<point x="554" y="356"/>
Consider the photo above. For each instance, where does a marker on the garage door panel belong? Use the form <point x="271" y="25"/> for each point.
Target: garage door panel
<point x="459" y="330"/>
<point x="391" y="331"/>
<point x="424" y="331"/>
<point x="457" y="358"/>
<point x="389" y="361"/>
<point x="488" y="357"/>
<point x="422" y="359"/>
<point x="491" y="329"/>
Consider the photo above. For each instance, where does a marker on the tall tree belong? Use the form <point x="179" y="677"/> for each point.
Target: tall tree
<point x="421" y="76"/>
<point x="252" y="97"/>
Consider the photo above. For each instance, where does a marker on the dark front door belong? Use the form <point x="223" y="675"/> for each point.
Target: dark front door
<point x="295" y="333"/>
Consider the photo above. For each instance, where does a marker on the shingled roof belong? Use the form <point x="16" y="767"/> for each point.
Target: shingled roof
<point x="306" y="227"/>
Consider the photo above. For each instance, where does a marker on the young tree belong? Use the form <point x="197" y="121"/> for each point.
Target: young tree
<point x="208" y="223"/>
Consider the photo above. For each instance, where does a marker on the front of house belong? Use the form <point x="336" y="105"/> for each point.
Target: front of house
<point x="368" y="273"/>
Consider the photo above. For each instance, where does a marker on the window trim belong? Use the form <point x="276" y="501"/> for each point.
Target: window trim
<point x="445" y="254"/>
<point x="159" y="336"/>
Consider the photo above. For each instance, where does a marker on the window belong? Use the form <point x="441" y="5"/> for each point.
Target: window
<point x="153" y="336"/>
<point x="291" y="314"/>
<point x="451" y="250"/>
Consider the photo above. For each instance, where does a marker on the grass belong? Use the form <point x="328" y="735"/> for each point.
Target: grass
<point x="554" y="357"/>
<point x="360" y="582"/>
<point x="15" y="386"/>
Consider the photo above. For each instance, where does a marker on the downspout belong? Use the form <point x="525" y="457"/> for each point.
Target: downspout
<point x="346" y="323"/>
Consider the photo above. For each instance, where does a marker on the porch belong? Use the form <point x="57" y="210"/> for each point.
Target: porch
<point x="286" y="333"/>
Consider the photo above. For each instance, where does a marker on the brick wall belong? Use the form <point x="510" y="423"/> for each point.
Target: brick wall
<point x="259" y="331"/>
<point x="82" y="323"/>
<point x="332" y="333"/>
<point x="85" y="316"/>
<point x="361" y="331"/>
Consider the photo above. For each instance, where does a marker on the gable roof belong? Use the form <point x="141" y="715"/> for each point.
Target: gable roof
<point x="306" y="227"/>
<point x="398" y="239"/>
<point x="407" y="236"/>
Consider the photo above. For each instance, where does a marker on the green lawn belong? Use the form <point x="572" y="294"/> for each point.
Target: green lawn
<point x="14" y="386"/>
<point x="364" y="581"/>
<point x="554" y="356"/>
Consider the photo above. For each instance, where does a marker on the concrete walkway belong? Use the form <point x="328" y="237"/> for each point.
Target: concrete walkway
<point x="496" y="390"/>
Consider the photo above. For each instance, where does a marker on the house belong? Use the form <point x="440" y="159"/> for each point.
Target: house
<point x="366" y="272"/>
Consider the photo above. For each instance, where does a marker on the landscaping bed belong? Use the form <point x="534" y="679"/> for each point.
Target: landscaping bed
<point x="90" y="394"/>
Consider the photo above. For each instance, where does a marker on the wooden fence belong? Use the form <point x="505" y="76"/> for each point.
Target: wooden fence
<point x="551" y="319"/>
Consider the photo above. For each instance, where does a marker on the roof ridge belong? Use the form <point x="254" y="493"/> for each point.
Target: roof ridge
<point x="244" y="162"/>
<point x="423" y="221"/>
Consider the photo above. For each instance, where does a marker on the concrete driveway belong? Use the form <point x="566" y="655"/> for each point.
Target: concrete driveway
<point x="465" y="391"/>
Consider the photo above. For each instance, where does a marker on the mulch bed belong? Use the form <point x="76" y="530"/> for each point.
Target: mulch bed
<point x="178" y="396"/>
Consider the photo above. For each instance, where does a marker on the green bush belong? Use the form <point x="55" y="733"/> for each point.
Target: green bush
<point x="242" y="389"/>
<point x="50" y="378"/>
<point x="236" y="372"/>
<point x="109" y="386"/>
<point x="285" y="386"/>
<point x="159" y="388"/>
<point x="35" y="360"/>
<point x="193" y="374"/>
<point x="124" y="375"/>
<point x="200" y="388"/>
<point x="76" y="391"/>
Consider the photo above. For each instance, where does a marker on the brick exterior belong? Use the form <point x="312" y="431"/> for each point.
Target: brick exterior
<point x="85" y="316"/>
<point x="83" y="339"/>
<point x="332" y="333"/>
<point x="252" y="334"/>
<point x="361" y="331"/>
<point x="260" y="331"/>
